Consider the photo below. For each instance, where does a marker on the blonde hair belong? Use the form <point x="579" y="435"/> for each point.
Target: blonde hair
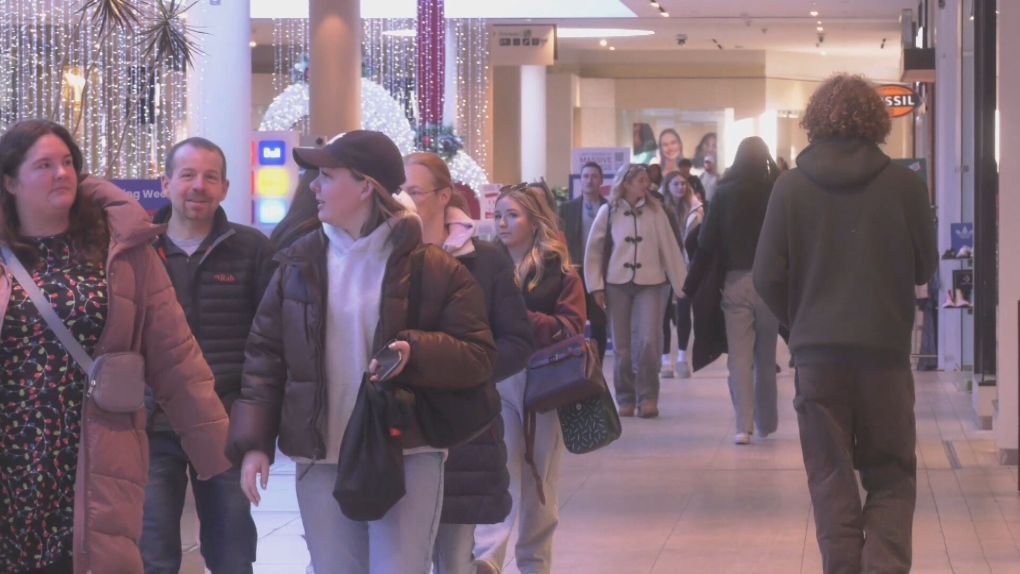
<point x="384" y="206"/>
<point x="547" y="236"/>
<point x="626" y="174"/>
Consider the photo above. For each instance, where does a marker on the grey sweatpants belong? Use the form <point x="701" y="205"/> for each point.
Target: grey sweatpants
<point x="635" y="316"/>
<point x="751" y="334"/>
<point x="859" y="418"/>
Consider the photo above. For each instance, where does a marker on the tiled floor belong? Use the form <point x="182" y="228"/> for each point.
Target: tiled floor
<point x="674" y="495"/>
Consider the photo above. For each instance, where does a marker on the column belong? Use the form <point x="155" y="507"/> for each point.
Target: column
<point x="334" y="74"/>
<point x="947" y="171"/>
<point x="219" y="93"/>
<point x="1006" y="424"/>
<point x="533" y="122"/>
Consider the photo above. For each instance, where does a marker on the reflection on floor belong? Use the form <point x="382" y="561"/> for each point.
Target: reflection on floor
<point x="675" y="495"/>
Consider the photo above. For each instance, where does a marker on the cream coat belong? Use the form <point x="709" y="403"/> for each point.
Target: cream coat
<point x="645" y="249"/>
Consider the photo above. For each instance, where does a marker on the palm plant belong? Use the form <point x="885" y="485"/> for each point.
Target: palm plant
<point x="167" y="42"/>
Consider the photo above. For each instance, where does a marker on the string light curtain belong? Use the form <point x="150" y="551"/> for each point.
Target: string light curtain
<point x="124" y="111"/>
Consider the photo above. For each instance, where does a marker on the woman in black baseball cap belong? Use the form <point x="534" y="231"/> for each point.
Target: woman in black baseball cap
<point x="308" y="351"/>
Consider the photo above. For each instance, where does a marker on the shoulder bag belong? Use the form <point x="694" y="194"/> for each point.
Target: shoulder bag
<point x="116" y="381"/>
<point x="563" y="373"/>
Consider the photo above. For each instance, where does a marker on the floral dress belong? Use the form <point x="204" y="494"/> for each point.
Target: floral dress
<point x="41" y="392"/>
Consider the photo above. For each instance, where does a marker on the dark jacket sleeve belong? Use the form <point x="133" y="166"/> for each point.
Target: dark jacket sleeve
<point x="923" y="234"/>
<point x="266" y="267"/>
<point x="771" y="270"/>
<point x="255" y="416"/>
<point x="461" y="341"/>
<point x="178" y="375"/>
<point x="699" y="262"/>
<point x="570" y="308"/>
<point x="710" y="238"/>
<point x="508" y="318"/>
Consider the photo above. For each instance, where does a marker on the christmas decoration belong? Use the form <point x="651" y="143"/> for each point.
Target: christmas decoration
<point x="430" y="61"/>
<point x="439" y="139"/>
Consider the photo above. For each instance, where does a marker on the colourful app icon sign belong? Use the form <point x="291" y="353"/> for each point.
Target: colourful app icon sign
<point x="272" y="152"/>
<point x="271" y="211"/>
<point x="272" y="182"/>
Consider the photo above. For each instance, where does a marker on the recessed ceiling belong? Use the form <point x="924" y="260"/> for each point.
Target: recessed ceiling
<point x="459" y="9"/>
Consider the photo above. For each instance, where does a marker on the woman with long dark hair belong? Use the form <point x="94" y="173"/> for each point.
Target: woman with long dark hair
<point x="683" y="203"/>
<point x="731" y="228"/>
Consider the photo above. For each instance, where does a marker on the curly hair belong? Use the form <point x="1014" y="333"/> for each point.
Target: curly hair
<point x="846" y="106"/>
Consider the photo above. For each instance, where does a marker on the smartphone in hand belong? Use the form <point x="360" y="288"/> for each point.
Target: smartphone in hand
<point x="387" y="360"/>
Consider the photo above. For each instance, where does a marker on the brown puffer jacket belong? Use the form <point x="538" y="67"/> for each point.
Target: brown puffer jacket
<point x="113" y="459"/>
<point x="284" y="383"/>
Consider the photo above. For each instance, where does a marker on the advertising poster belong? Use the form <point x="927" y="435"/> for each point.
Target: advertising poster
<point x="610" y="159"/>
<point x="148" y="192"/>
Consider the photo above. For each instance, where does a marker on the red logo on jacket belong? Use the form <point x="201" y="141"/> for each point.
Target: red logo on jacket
<point x="224" y="278"/>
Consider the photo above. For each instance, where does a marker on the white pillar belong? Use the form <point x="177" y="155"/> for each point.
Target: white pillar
<point x="334" y="74"/>
<point x="450" y="82"/>
<point x="947" y="174"/>
<point x="219" y="93"/>
<point x="533" y="122"/>
<point x="1006" y="423"/>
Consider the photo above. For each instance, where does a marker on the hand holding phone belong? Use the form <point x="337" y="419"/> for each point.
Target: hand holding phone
<point x="390" y="361"/>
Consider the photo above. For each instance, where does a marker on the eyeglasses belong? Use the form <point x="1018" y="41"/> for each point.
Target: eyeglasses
<point x="416" y="193"/>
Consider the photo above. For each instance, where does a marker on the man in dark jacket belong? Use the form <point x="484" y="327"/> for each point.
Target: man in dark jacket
<point x="577" y="216"/>
<point x="847" y="237"/>
<point x="219" y="271"/>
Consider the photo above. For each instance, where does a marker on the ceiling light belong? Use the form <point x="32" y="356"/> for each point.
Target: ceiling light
<point x="823" y="52"/>
<point x="819" y="22"/>
<point x="655" y="4"/>
<point x="814" y="13"/>
<point x="665" y="14"/>
<point x="253" y="43"/>
<point x="820" y="29"/>
<point x="599" y="32"/>
<point x="612" y="48"/>
<point x="603" y="42"/>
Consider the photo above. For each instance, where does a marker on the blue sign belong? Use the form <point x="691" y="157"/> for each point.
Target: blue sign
<point x="148" y="192"/>
<point x="272" y="152"/>
<point x="961" y="235"/>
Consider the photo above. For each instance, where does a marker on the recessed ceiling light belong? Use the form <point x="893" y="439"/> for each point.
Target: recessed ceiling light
<point x="665" y="14"/>
<point x="655" y="4"/>
<point x="612" y="48"/>
<point x="819" y="22"/>
<point x="823" y="52"/>
<point x="603" y="42"/>
<point x="253" y="43"/>
<point x="814" y="13"/>
<point x="820" y="29"/>
<point x="600" y="32"/>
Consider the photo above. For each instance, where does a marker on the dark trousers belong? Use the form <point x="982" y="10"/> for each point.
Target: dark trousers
<point x="678" y="312"/>
<point x="859" y="418"/>
<point x="227" y="532"/>
<point x="597" y="318"/>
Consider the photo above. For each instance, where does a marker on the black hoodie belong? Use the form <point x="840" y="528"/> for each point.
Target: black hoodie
<point x="847" y="236"/>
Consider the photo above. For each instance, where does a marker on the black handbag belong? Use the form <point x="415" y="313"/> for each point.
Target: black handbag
<point x="590" y="424"/>
<point x="447" y="418"/>
<point x="370" y="472"/>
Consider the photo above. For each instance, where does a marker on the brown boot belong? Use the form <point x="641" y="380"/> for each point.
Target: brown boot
<point x="626" y="410"/>
<point x="648" y="410"/>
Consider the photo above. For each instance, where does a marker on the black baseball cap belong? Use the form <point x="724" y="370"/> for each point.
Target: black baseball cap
<point x="369" y="152"/>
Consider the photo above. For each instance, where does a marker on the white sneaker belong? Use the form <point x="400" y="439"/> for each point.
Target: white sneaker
<point x="742" y="438"/>
<point x="964" y="252"/>
<point x="682" y="370"/>
<point x="666" y="371"/>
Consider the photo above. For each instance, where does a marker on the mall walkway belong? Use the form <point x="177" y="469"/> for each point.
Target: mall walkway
<point x="674" y="495"/>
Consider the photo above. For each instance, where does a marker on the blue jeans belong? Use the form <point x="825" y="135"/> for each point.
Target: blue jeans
<point x="227" y="532"/>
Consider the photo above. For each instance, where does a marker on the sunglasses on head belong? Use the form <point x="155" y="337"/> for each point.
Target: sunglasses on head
<point x="518" y="187"/>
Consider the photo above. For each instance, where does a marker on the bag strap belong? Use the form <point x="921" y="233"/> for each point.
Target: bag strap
<point x="46" y="310"/>
<point x="531" y="423"/>
<point x="415" y="287"/>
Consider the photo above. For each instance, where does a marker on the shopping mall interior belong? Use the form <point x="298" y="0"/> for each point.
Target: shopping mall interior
<point x="531" y="89"/>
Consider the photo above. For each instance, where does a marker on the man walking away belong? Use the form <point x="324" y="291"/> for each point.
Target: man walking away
<point x="847" y="237"/>
<point x="219" y="271"/>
